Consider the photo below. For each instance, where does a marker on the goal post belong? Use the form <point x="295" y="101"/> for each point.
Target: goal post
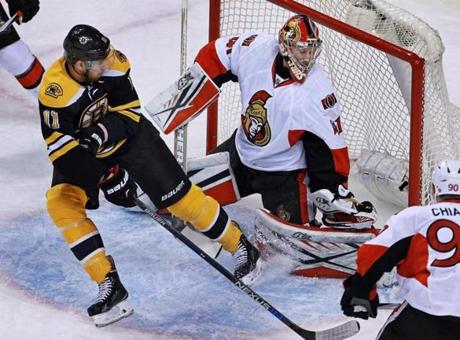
<point x="386" y="66"/>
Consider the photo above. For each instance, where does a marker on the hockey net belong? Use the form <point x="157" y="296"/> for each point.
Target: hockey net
<point x="386" y="65"/>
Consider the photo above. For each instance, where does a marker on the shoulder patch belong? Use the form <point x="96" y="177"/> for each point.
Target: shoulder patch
<point x="58" y="89"/>
<point x="248" y="41"/>
<point x="329" y="101"/>
<point x="54" y="90"/>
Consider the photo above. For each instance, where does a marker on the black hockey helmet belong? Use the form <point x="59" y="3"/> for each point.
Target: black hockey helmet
<point x="84" y="42"/>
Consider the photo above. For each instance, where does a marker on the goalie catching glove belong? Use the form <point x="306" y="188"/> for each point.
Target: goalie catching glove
<point x="118" y="187"/>
<point x="343" y="210"/>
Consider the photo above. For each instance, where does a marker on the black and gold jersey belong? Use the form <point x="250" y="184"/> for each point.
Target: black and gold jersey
<point x="66" y="106"/>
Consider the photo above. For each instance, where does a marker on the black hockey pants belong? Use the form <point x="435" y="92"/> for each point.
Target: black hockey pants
<point x="408" y="323"/>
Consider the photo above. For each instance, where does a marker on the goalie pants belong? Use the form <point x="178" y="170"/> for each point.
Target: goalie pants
<point x="284" y="193"/>
<point x="408" y="323"/>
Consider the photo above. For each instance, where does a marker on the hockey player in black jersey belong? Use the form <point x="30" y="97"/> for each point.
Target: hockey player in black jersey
<point x="15" y="55"/>
<point x="98" y="139"/>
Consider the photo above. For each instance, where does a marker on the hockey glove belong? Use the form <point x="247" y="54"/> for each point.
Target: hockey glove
<point x="343" y="210"/>
<point x="28" y="8"/>
<point x="91" y="138"/>
<point x="118" y="187"/>
<point x="359" y="300"/>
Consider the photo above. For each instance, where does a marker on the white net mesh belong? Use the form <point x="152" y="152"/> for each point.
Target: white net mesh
<point x="373" y="87"/>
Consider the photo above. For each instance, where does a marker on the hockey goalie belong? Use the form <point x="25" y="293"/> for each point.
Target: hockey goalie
<point x="290" y="146"/>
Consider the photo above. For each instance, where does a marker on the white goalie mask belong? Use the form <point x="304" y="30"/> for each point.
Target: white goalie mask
<point x="446" y="178"/>
<point x="300" y="45"/>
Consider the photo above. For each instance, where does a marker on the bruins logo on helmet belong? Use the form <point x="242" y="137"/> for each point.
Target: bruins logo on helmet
<point x="54" y="90"/>
<point x="255" y="123"/>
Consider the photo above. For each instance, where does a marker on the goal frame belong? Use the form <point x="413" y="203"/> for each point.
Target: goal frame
<point x="416" y="63"/>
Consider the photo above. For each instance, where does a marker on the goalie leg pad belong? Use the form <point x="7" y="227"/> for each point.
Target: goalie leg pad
<point x="214" y="175"/>
<point x="267" y="220"/>
<point x="66" y="207"/>
<point x="206" y="215"/>
<point x="312" y="259"/>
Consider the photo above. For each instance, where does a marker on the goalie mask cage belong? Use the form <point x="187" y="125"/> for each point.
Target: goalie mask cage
<point x="386" y="66"/>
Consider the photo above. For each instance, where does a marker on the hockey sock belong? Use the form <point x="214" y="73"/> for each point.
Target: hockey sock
<point x="66" y="207"/>
<point x="206" y="215"/>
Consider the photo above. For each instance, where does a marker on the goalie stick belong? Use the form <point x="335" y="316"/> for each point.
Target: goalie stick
<point x="341" y="331"/>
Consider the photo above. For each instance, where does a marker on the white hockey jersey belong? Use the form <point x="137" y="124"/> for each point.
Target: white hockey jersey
<point x="424" y="243"/>
<point x="277" y="112"/>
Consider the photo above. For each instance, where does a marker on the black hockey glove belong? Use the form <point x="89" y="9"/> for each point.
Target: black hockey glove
<point x="344" y="193"/>
<point x="118" y="187"/>
<point x="28" y="8"/>
<point x="91" y="138"/>
<point x="355" y="301"/>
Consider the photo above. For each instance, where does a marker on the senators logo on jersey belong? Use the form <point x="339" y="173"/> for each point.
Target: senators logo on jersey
<point x="254" y="121"/>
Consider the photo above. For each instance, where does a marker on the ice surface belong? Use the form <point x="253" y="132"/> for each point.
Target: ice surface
<point x="44" y="292"/>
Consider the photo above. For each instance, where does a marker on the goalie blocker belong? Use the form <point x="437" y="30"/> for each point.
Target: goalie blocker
<point x="183" y="100"/>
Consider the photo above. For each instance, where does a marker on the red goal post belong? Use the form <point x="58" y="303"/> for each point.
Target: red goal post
<point x="387" y="72"/>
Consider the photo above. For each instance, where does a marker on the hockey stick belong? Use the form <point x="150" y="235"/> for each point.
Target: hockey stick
<point x="180" y="135"/>
<point x="8" y="23"/>
<point x="342" y="331"/>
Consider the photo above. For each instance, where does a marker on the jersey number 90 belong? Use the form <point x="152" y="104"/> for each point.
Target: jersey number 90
<point x="452" y="245"/>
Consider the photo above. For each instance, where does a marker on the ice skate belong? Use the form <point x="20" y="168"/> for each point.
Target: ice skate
<point x="111" y="303"/>
<point x="248" y="265"/>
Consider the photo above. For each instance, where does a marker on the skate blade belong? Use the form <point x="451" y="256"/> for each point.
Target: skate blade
<point x="251" y="277"/>
<point x="117" y="312"/>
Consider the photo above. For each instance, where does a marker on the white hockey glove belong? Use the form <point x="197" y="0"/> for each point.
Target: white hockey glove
<point x="343" y="210"/>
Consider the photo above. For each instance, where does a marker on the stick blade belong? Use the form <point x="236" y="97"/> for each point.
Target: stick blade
<point x="341" y="331"/>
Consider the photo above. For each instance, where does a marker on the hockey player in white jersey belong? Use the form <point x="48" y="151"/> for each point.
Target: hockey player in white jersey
<point x="423" y="242"/>
<point x="15" y="55"/>
<point x="290" y="141"/>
